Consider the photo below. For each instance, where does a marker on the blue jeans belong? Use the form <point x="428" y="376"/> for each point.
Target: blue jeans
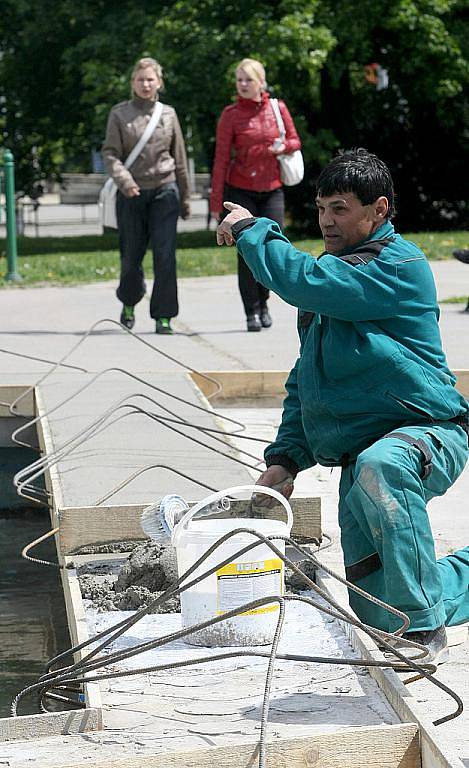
<point x="386" y="534"/>
<point x="149" y="218"/>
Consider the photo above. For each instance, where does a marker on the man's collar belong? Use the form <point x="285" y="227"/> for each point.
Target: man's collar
<point x="385" y="230"/>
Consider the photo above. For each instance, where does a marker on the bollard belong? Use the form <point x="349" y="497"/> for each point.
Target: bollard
<point x="9" y="165"/>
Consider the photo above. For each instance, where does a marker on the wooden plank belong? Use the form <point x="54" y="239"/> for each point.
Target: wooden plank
<point x="381" y="746"/>
<point x="250" y="384"/>
<point x="242" y="384"/>
<point x="85" y="526"/>
<point x="27" y="727"/>
<point x="462" y="381"/>
<point x="46" y="445"/>
<point x="78" y="629"/>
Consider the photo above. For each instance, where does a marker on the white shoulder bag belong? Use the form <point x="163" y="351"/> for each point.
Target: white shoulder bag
<point x="107" y="195"/>
<point x="292" y="167"/>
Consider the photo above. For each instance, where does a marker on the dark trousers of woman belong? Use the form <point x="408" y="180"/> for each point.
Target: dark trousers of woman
<point x="271" y="205"/>
<point x="151" y="217"/>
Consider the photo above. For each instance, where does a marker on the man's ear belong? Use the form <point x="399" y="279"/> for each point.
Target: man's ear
<point x="381" y="208"/>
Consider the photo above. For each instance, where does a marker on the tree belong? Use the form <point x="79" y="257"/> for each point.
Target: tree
<point x="63" y="65"/>
<point x="315" y="54"/>
<point x="417" y="124"/>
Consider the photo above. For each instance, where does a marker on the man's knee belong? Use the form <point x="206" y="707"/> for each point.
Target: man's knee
<point x="377" y="486"/>
<point x="381" y="461"/>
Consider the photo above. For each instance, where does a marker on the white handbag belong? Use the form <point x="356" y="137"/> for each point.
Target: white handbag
<point x="108" y="192"/>
<point x="292" y="168"/>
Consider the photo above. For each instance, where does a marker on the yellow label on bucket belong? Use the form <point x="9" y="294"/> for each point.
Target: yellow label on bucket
<point x="239" y="583"/>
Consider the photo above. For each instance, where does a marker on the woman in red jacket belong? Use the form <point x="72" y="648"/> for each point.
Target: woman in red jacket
<point x="246" y="170"/>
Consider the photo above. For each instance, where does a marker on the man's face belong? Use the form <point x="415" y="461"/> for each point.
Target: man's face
<point x="344" y="221"/>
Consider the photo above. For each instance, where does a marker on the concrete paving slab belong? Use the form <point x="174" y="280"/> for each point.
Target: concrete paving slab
<point x="202" y="699"/>
<point x="129" y="441"/>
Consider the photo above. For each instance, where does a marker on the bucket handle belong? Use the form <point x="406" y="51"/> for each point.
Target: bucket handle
<point x="182" y="524"/>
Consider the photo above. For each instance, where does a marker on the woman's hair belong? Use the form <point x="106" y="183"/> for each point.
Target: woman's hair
<point x="147" y="61"/>
<point x="254" y="69"/>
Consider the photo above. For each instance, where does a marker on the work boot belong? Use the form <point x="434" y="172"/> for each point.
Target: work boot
<point x="127" y="317"/>
<point x="253" y="323"/>
<point x="163" y="325"/>
<point x="434" y="640"/>
<point x="266" y="319"/>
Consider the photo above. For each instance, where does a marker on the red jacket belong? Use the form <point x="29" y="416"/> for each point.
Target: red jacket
<point x="245" y="131"/>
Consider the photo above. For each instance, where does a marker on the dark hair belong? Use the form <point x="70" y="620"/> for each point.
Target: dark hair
<point x="358" y="171"/>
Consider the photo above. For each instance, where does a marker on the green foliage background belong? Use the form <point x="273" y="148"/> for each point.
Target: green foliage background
<point x="63" y="65"/>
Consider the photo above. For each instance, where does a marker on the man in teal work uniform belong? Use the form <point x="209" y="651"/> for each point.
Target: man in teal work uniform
<point x="370" y="392"/>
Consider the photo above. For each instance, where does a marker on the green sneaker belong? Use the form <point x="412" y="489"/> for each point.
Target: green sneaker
<point x="127" y="317"/>
<point x="163" y="325"/>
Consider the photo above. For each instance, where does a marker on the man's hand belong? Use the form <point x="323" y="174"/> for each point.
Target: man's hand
<point x="278" y="478"/>
<point x="224" y="236"/>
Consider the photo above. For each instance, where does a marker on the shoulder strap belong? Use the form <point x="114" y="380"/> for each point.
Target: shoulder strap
<point x="278" y="117"/>
<point x="156" y="114"/>
<point x="366" y="252"/>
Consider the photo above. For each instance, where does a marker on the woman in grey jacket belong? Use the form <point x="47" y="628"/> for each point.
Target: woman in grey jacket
<point x="151" y="195"/>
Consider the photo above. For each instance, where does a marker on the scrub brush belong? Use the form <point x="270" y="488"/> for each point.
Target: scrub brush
<point x="159" y="519"/>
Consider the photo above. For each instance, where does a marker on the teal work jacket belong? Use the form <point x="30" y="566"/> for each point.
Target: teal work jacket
<point x="371" y="358"/>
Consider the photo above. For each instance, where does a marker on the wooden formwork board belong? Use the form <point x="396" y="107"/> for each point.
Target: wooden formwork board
<point x="43" y="726"/>
<point x="462" y="381"/>
<point x="46" y="445"/>
<point x="79" y="634"/>
<point x="251" y="384"/>
<point x="386" y="746"/>
<point x="85" y="526"/>
<point x="241" y="384"/>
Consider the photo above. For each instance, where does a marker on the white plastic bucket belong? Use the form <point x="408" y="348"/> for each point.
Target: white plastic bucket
<point x="256" y="574"/>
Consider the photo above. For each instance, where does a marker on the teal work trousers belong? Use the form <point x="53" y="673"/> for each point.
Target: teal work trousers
<point x="386" y="533"/>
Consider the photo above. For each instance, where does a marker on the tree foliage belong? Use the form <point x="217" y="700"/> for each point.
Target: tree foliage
<point x="64" y="64"/>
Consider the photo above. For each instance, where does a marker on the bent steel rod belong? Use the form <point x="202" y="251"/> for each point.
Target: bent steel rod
<point x="134" y="376"/>
<point x="84" y="666"/>
<point x="218" y="386"/>
<point x="41" y="465"/>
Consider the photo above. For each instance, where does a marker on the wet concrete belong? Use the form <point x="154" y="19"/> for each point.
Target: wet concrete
<point x="135" y="582"/>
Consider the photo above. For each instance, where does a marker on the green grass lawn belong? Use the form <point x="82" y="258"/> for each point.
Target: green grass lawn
<point x="93" y="258"/>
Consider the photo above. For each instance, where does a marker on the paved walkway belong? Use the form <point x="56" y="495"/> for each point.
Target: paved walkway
<point x="210" y="328"/>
